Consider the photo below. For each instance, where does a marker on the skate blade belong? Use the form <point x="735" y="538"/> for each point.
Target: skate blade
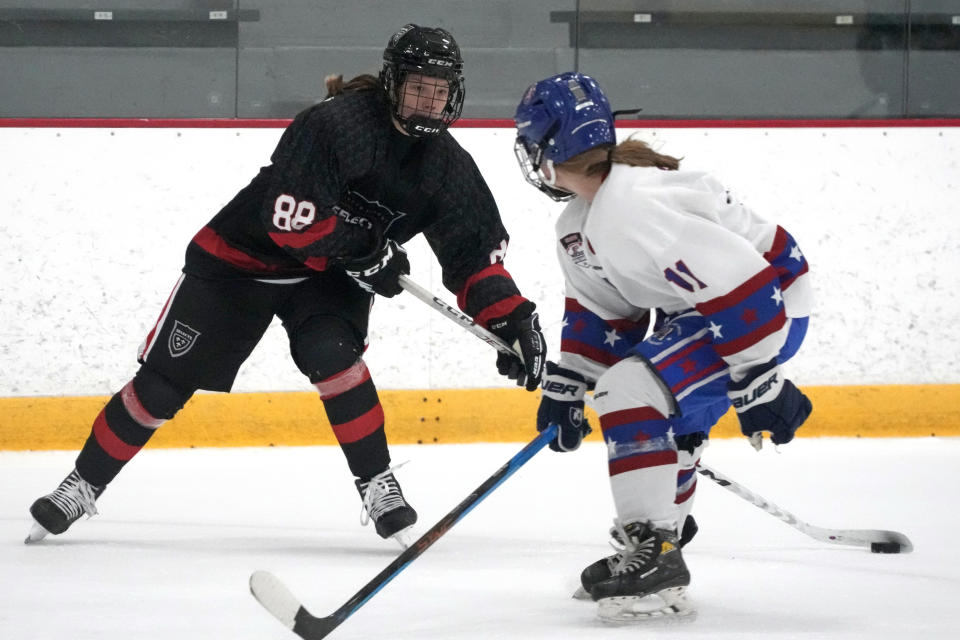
<point x="37" y="533"/>
<point x="667" y="606"/>
<point x="404" y="537"/>
<point x="581" y="594"/>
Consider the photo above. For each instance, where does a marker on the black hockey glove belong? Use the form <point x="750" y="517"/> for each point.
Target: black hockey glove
<point x="766" y="401"/>
<point x="562" y="404"/>
<point x="380" y="271"/>
<point x="521" y="330"/>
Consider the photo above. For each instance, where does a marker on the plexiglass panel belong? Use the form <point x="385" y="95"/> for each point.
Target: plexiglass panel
<point x="673" y="58"/>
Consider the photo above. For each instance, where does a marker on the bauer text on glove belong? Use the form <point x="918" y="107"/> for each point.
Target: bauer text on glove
<point x="521" y="330"/>
<point x="562" y="404"/>
<point x="380" y="271"/>
<point x="765" y="401"/>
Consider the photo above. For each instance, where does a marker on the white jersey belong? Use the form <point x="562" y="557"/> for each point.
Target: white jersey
<point x="677" y="240"/>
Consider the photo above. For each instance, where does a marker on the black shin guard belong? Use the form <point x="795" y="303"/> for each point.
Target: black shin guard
<point x="124" y="426"/>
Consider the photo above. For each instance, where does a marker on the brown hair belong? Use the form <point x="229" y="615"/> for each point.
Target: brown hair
<point x="365" y="82"/>
<point x="636" y="153"/>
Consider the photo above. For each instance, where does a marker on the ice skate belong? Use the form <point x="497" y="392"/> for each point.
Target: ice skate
<point x="603" y="568"/>
<point x="649" y="580"/>
<point x="383" y="503"/>
<point x="55" y="512"/>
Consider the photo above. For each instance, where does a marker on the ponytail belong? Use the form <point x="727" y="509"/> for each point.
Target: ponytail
<point x="635" y="153"/>
<point x="336" y="85"/>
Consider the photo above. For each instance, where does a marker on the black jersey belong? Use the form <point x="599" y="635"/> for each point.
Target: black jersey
<point x="340" y="168"/>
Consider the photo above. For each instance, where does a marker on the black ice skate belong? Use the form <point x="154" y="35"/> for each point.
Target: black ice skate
<point x="603" y="568"/>
<point x="650" y="579"/>
<point x="383" y="503"/>
<point x="55" y="512"/>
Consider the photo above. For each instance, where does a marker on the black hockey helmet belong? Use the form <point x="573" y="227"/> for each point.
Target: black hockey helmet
<point x="430" y="52"/>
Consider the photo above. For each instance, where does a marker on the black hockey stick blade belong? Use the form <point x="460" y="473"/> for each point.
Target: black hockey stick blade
<point x="285" y="607"/>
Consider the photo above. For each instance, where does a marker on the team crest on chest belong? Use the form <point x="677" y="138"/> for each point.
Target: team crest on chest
<point x="359" y="210"/>
<point x="573" y="246"/>
<point x="182" y="338"/>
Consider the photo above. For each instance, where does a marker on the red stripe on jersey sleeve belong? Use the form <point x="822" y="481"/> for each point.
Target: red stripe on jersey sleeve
<point x="493" y="270"/>
<point x="764" y="277"/>
<point x="498" y="310"/>
<point x="779" y="244"/>
<point x="744" y="342"/>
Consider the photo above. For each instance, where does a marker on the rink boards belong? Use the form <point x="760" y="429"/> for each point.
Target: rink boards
<point x="449" y="416"/>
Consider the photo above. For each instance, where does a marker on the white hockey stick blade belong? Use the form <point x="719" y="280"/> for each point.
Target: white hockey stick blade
<point x="275" y="597"/>
<point x="37" y="533"/>
<point x="877" y="540"/>
<point x="669" y="605"/>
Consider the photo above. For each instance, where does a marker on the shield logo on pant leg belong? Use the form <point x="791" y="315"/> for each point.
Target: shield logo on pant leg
<point x="181" y="340"/>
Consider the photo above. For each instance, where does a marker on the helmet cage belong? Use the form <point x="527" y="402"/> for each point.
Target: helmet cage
<point x="393" y="77"/>
<point x="432" y="53"/>
<point x="530" y="158"/>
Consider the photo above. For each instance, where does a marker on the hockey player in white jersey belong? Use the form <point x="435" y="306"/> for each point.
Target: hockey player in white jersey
<point x="732" y="298"/>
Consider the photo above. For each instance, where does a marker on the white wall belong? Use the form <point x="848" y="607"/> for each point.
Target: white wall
<point x="94" y="222"/>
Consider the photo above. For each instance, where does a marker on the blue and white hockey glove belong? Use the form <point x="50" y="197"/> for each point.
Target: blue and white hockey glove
<point x="766" y="401"/>
<point x="562" y="404"/>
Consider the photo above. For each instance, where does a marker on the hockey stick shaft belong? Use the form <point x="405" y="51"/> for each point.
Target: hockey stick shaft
<point x="850" y="537"/>
<point x="275" y="597"/>
<point x="462" y="319"/>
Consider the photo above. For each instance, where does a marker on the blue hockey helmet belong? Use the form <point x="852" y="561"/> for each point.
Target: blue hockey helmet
<point x="557" y="119"/>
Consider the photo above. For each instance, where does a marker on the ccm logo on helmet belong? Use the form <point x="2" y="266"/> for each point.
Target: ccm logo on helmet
<point x="439" y="63"/>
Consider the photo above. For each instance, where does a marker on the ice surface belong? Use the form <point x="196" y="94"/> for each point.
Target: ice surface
<point x="181" y="531"/>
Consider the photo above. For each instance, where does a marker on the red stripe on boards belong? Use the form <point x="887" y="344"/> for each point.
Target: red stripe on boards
<point x="481" y="123"/>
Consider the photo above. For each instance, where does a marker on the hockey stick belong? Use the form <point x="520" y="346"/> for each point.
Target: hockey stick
<point x="284" y="606"/>
<point x="878" y="540"/>
<point x="462" y="319"/>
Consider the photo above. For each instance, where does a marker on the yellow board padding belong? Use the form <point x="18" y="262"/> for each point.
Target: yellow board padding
<point x="448" y="416"/>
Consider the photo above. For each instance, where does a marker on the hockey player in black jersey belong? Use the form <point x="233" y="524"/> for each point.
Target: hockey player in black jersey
<point x="310" y="240"/>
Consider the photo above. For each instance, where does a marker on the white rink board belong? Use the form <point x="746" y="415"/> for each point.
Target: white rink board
<point x="94" y="223"/>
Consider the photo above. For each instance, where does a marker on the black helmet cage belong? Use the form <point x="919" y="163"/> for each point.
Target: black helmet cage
<point x="428" y="52"/>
